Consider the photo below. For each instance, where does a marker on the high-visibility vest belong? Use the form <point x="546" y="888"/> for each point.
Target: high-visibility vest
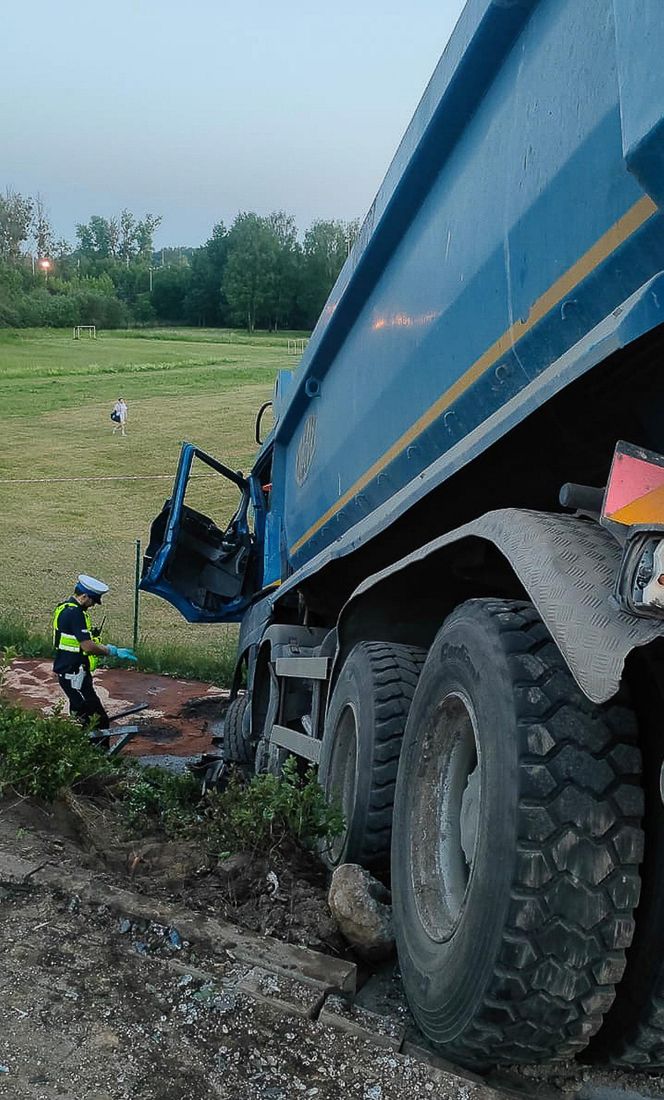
<point x="69" y="642"/>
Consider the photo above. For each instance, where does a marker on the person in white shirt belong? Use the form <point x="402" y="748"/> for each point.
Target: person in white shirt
<point x="119" y="416"/>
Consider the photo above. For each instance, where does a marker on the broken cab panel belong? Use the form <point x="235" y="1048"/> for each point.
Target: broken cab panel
<point x="209" y="572"/>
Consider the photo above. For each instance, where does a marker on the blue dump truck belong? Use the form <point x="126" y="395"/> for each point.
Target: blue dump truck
<point x="448" y="558"/>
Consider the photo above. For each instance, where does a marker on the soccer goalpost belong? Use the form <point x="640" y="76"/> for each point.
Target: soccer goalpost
<point x="90" y="329"/>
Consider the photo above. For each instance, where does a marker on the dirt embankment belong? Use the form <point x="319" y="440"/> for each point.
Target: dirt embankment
<point x="283" y="894"/>
<point x="101" y="1006"/>
<point x="119" y="981"/>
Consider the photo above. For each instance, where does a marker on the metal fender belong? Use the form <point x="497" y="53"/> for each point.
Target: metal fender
<point x="567" y="566"/>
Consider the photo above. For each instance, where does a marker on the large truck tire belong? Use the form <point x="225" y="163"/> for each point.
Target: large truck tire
<point x="236" y="748"/>
<point x="361" y="745"/>
<point x="632" y="1034"/>
<point x="516" y="844"/>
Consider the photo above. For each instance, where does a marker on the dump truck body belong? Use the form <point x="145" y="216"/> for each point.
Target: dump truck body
<point x="476" y="671"/>
<point x="510" y="224"/>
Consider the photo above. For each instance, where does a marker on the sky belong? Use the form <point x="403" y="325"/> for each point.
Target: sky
<point x="196" y="109"/>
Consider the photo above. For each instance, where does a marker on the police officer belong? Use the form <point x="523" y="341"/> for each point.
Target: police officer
<point x="77" y="649"/>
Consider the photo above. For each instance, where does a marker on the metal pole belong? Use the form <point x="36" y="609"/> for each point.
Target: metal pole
<point x="137" y="578"/>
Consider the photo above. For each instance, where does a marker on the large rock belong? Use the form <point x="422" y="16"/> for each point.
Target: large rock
<point x="361" y="907"/>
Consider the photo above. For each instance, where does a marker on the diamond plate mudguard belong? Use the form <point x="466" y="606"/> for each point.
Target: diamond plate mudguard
<point x="568" y="566"/>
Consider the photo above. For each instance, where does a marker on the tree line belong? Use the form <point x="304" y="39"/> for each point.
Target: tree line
<point x="259" y="272"/>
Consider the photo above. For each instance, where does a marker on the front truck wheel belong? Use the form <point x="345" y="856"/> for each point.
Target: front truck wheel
<point x="516" y="843"/>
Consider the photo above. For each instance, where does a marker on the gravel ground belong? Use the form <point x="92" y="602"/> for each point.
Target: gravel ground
<point x="93" y="1007"/>
<point x="84" y="1013"/>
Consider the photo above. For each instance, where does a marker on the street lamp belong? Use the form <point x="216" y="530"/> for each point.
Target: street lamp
<point x="45" y="265"/>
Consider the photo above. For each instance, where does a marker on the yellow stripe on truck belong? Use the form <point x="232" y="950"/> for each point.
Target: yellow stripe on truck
<point x="608" y="243"/>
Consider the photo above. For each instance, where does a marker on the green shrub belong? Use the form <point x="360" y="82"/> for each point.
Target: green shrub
<point x="44" y="756"/>
<point x="271" y="810"/>
<point x="256" y="816"/>
<point x="156" y="799"/>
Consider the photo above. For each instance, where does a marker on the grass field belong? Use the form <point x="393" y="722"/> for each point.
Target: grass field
<point x="55" y="399"/>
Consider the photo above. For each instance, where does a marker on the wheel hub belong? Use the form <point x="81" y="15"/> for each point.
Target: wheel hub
<point x="470" y="815"/>
<point x="447" y="813"/>
<point x="342" y="777"/>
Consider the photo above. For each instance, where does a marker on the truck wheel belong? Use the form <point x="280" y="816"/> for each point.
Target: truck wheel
<point x="361" y="745"/>
<point x="516" y="844"/>
<point x="633" y="1032"/>
<point x="237" y="749"/>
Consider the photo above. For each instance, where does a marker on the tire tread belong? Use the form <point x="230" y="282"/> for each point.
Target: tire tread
<point x="390" y="673"/>
<point x="576" y="881"/>
<point x="395" y="671"/>
<point x="236" y="748"/>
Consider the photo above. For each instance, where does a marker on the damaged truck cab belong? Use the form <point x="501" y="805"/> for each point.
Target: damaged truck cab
<point x="448" y="557"/>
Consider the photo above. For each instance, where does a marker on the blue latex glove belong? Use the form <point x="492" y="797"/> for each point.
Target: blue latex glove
<point x="126" y="654"/>
<point x="123" y="654"/>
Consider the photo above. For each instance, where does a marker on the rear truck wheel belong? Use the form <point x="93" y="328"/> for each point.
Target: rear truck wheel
<point x="361" y="744"/>
<point x="632" y="1034"/>
<point x="516" y="844"/>
<point x="237" y="749"/>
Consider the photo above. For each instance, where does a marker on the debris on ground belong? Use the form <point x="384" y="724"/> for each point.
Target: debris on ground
<point x="361" y="907"/>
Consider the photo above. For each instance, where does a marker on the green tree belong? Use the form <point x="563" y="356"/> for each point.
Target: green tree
<point x="249" y="276"/>
<point x="96" y="238"/>
<point x="15" y="223"/>
<point x="123" y="238"/>
<point x="143" y="310"/>
<point x="61" y="250"/>
<point x="170" y="287"/>
<point x="205" y="301"/>
<point x="145" y="230"/>
<point x="42" y="231"/>
<point x="326" y="248"/>
<point x="286" y="268"/>
<point x="127" y="237"/>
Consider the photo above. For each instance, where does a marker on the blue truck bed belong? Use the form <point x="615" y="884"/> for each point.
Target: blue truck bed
<point x="515" y="218"/>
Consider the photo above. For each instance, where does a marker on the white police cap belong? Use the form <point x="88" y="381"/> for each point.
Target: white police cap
<point x="91" y="587"/>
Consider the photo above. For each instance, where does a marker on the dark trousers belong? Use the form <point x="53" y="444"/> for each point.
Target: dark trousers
<point x="84" y="703"/>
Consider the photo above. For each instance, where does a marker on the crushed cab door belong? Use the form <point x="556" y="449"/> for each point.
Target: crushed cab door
<point x="207" y="570"/>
